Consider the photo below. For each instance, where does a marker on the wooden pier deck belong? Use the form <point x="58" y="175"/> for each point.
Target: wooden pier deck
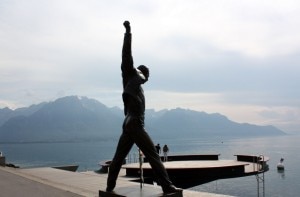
<point x="248" y="168"/>
<point x="84" y="183"/>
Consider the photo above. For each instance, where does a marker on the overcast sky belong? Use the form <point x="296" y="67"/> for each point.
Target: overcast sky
<point x="237" y="58"/>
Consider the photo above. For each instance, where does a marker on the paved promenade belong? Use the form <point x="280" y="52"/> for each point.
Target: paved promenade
<point x="13" y="185"/>
<point x="48" y="182"/>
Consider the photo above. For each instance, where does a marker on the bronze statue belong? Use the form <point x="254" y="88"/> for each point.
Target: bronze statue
<point x="133" y="125"/>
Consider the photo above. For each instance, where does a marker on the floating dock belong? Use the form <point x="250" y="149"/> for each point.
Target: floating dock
<point x="186" y="171"/>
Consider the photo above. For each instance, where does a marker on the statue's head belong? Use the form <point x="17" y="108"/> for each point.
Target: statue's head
<point x="144" y="70"/>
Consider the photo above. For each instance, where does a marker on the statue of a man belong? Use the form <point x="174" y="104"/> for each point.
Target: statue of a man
<point x="133" y="125"/>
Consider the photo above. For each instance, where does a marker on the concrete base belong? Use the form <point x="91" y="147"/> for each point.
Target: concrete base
<point x="136" y="191"/>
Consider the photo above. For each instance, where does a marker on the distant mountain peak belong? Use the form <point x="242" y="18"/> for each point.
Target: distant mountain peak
<point x="80" y="117"/>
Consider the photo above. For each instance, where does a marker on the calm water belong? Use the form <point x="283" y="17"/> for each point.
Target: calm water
<point x="88" y="154"/>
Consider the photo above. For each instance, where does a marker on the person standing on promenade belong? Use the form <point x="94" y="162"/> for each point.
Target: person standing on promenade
<point x="157" y="149"/>
<point x="165" y="151"/>
<point x="133" y="125"/>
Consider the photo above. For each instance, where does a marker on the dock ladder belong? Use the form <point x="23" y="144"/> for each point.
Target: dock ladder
<point x="260" y="164"/>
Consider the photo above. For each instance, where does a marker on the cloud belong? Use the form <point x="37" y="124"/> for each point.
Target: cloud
<point x="236" y="57"/>
<point x="252" y="28"/>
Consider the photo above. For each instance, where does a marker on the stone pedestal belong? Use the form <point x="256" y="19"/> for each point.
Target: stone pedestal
<point x="136" y="191"/>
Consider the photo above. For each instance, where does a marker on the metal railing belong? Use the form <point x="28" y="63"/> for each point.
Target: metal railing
<point x="260" y="165"/>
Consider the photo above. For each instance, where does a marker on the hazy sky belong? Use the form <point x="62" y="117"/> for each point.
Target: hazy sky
<point x="237" y="58"/>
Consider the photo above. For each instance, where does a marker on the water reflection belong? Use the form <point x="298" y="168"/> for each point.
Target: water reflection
<point x="281" y="173"/>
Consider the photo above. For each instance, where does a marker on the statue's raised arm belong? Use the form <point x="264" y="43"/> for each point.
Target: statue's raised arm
<point x="127" y="60"/>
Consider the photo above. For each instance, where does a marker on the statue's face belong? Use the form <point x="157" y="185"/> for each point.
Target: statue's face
<point x="144" y="70"/>
<point x="142" y="75"/>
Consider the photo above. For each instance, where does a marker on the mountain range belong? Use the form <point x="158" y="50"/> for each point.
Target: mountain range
<point x="74" y="118"/>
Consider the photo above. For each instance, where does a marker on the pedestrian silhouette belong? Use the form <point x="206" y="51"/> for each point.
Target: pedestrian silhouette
<point x="157" y="148"/>
<point x="165" y="150"/>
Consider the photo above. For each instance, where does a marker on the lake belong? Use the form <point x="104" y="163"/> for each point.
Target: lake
<point x="88" y="154"/>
